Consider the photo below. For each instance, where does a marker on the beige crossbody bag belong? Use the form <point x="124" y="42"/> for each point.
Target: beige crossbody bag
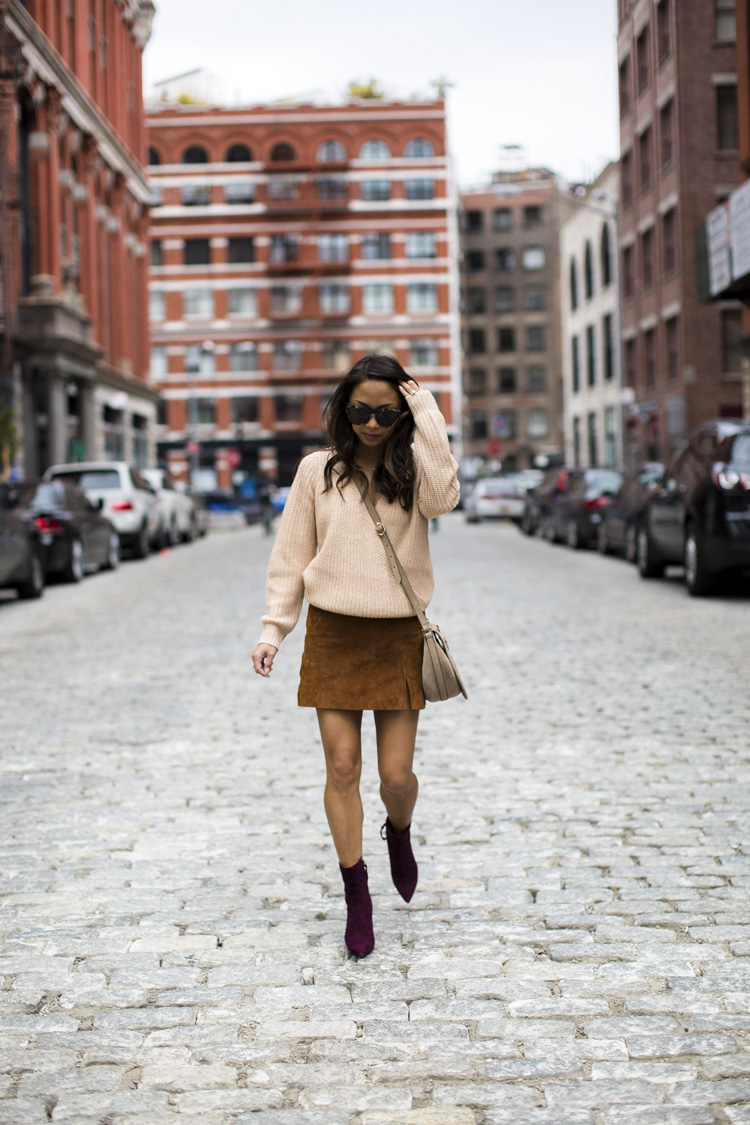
<point x="440" y="676"/>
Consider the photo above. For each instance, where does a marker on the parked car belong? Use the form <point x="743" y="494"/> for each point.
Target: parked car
<point x="496" y="498"/>
<point x="176" y="508"/>
<point x="202" y="518"/>
<point x="128" y="499"/>
<point x="75" y="535"/>
<point x="21" y="550"/>
<point x="576" y="511"/>
<point x="539" y="500"/>
<point x="699" y="513"/>
<point x="617" y="530"/>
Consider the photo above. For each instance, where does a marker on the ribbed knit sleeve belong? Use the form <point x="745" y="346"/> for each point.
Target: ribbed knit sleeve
<point x="438" y="489"/>
<point x="293" y="551"/>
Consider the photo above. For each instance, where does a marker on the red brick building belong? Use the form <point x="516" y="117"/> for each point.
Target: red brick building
<point x="678" y="129"/>
<point x="288" y="241"/>
<point x="74" y="221"/>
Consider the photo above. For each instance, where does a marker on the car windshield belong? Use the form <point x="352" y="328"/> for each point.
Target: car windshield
<point x="92" y="479"/>
<point x="49" y="495"/>
<point x="605" y="480"/>
<point x="741" y="451"/>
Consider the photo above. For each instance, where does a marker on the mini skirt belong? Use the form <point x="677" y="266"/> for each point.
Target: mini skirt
<point x="361" y="663"/>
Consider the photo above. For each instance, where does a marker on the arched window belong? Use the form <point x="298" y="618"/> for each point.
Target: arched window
<point x="195" y="154"/>
<point x="153" y="156"/>
<point x="374" y="150"/>
<point x="588" y="272"/>
<point x="573" y="284"/>
<point x="330" y="152"/>
<point x="606" y="255"/>
<point x="238" y="154"/>
<point x="419" y="148"/>
<point x="282" y="151"/>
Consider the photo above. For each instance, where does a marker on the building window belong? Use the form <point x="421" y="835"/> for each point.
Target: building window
<point x="505" y="424"/>
<point x="195" y="154"/>
<point x="475" y="261"/>
<point x="577" y="441"/>
<point x="199" y="360"/>
<point x="588" y="272"/>
<point x="593" y="442"/>
<point x="283" y="190"/>
<point x="626" y="173"/>
<point x="642" y="49"/>
<point x="664" y="30"/>
<point x="205" y="411"/>
<point x="335" y="355"/>
<point x="536" y="380"/>
<point x="649" y="357"/>
<point x="195" y="195"/>
<point x="590" y="356"/>
<point x="669" y="240"/>
<point x="419" y="149"/>
<point x="375" y="191"/>
<point x="476" y="381"/>
<point x="672" y="337"/>
<point x="333" y="298"/>
<point x="240" y="250"/>
<point x="421" y="297"/>
<point x="156" y="196"/>
<point x="331" y="152"/>
<point x="630" y="363"/>
<point x="420" y="189"/>
<point x="375" y="150"/>
<point x="474" y="221"/>
<point x="726" y="20"/>
<point x="244" y="409"/>
<point x="421" y="244"/>
<point x="731" y="340"/>
<point x="628" y="271"/>
<point x="608" y="347"/>
<point x="726" y="117"/>
<point x="610" y="437"/>
<point x="506" y="339"/>
<point x="479" y="429"/>
<point x="477" y="341"/>
<point x="286" y="300"/>
<point x="502" y="218"/>
<point x="198" y="303"/>
<point x="423" y="352"/>
<point x="507" y="382"/>
<point x="376" y="246"/>
<point x="240" y="191"/>
<point x="575" y="357"/>
<point x="535" y="338"/>
<point x="159" y="363"/>
<point x="606" y="256"/>
<point x="625" y="86"/>
<point x="505" y="259"/>
<point x="330" y="189"/>
<point x="243" y="356"/>
<point x="537" y="425"/>
<point x="157" y="304"/>
<point x="157" y="252"/>
<point x="153" y="156"/>
<point x="644" y="159"/>
<point x="533" y="258"/>
<point x="377" y="299"/>
<point x="666" y="132"/>
<point x="196" y="252"/>
<point x="647" y="257"/>
<point x="238" y="154"/>
<point x="333" y="248"/>
<point x="476" y="300"/>
<point x="288" y="408"/>
<point x="505" y="299"/>
<point x="287" y="355"/>
<point x="534" y="298"/>
<point x="533" y="216"/>
<point x="573" y="284"/>
<point x="285" y="248"/>
<point x="242" y="302"/>
<point x="282" y="152"/>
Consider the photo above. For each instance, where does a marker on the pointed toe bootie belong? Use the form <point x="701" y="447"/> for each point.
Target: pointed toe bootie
<point x="359" y="936"/>
<point x="404" y="871"/>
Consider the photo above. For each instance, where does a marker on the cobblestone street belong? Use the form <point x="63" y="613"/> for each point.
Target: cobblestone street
<point x="578" y="949"/>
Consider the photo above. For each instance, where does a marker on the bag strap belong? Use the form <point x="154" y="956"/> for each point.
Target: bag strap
<point x="393" y="559"/>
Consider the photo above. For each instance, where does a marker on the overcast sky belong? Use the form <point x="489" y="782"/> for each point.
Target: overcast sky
<point x="535" y="73"/>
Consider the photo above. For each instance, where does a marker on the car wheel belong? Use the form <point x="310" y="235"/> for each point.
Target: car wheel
<point x="572" y="535"/>
<point x="526" y="525"/>
<point x="74" y="569"/>
<point x="112" y="560"/>
<point x="649" y="566"/>
<point x="472" y="519"/>
<point x="33" y="587"/>
<point x="191" y="532"/>
<point x="602" y="540"/>
<point x="631" y="543"/>
<point x="698" y="579"/>
<point x="173" y="535"/>
<point x="141" y="544"/>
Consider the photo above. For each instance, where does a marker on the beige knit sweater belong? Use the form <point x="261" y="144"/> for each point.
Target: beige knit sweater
<point x="327" y="549"/>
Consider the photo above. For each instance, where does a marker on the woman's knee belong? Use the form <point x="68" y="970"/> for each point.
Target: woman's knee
<point x="396" y="778"/>
<point x="344" y="765"/>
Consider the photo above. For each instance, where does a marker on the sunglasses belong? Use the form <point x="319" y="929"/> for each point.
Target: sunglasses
<point x="359" y="414"/>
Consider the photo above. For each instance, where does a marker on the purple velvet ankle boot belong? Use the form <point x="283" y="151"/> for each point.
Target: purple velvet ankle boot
<point x="359" y="936"/>
<point x="404" y="871"/>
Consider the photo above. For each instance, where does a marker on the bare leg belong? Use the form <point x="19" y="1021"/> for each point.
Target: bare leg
<point x="340" y="732"/>
<point x="396" y="734"/>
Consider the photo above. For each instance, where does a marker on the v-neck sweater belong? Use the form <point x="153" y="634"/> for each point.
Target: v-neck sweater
<point x="327" y="549"/>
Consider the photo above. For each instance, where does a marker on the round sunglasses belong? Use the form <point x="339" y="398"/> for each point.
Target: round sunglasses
<point x="386" y="416"/>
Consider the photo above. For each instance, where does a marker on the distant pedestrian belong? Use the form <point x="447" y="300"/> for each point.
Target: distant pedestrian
<point x="363" y="645"/>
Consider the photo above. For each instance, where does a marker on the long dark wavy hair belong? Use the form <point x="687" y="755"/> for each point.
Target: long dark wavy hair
<point x="394" y="473"/>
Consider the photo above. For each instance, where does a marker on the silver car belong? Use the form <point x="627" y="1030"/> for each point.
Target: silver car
<point x="128" y="500"/>
<point x="496" y="498"/>
<point x="176" y="507"/>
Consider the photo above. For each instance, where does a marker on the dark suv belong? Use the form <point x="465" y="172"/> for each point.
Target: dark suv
<point x="699" y="513"/>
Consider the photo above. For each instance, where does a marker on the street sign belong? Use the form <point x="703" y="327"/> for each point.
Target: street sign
<point x="193" y="447"/>
<point x="233" y="458"/>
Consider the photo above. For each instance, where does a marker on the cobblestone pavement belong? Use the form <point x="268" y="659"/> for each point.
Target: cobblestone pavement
<point x="578" y="950"/>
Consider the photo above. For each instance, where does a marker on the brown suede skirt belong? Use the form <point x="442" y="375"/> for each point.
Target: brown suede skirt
<point x="361" y="663"/>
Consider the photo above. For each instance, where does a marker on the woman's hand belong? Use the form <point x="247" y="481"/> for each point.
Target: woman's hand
<point x="408" y="388"/>
<point x="263" y="659"/>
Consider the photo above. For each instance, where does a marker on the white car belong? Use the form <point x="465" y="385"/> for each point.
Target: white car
<point x="177" y="508"/>
<point x="128" y="500"/>
<point x="496" y="498"/>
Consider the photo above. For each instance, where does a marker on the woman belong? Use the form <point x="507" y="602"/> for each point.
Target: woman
<point x="363" y="645"/>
